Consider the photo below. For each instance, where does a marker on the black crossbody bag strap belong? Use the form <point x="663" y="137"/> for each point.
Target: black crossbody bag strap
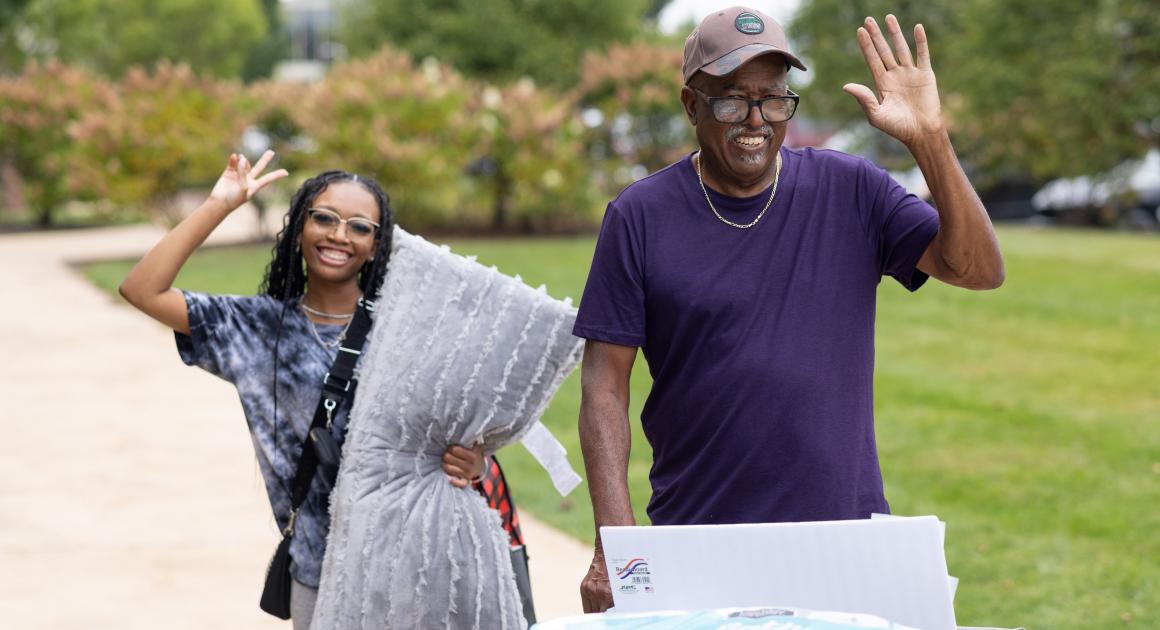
<point x="337" y="385"/>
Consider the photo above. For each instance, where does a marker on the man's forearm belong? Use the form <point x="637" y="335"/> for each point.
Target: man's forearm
<point x="605" y="440"/>
<point x="965" y="252"/>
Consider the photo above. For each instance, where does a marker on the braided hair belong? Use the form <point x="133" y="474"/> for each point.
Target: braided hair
<point x="286" y="277"/>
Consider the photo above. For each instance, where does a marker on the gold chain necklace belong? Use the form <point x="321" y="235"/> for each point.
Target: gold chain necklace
<point x="741" y="226"/>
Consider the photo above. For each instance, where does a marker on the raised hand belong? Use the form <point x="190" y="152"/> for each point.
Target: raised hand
<point x="240" y="181"/>
<point x="905" y="103"/>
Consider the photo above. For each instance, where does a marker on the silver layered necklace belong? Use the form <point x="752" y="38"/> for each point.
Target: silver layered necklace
<point x="327" y="345"/>
<point x="768" y="202"/>
<point x="324" y="314"/>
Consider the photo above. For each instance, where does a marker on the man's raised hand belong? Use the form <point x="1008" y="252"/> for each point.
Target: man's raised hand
<point x="905" y="104"/>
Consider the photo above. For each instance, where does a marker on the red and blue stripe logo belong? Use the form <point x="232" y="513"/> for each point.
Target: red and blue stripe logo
<point x="631" y="567"/>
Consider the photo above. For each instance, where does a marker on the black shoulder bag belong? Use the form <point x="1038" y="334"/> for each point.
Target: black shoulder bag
<point x="320" y="453"/>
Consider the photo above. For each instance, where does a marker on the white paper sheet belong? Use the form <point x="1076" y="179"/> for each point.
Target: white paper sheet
<point x="552" y="456"/>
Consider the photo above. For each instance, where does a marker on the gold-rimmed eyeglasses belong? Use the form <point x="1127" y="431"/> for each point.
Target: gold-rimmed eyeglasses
<point x="327" y="219"/>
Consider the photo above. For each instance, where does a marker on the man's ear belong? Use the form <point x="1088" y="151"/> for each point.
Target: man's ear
<point x="689" y="101"/>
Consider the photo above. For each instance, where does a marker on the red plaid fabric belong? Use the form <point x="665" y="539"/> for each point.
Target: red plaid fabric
<point x="493" y="486"/>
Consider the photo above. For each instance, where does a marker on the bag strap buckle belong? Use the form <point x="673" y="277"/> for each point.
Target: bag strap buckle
<point x="333" y="381"/>
<point x="289" y="530"/>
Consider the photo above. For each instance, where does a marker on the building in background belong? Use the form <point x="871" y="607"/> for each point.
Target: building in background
<point x="311" y="27"/>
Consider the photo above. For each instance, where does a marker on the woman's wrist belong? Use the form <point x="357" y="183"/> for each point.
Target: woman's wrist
<point x="218" y="206"/>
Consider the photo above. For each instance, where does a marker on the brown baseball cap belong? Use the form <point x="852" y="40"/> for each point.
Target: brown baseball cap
<point x="728" y="38"/>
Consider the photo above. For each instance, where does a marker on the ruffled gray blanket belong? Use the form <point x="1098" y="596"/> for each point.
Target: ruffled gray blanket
<point x="459" y="354"/>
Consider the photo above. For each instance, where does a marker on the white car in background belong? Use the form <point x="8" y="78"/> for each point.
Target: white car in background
<point x="1128" y="195"/>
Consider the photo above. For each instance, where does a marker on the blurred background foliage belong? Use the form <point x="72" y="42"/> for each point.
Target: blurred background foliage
<point x="165" y="128"/>
<point x="111" y="36"/>
<point x="495" y="40"/>
<point x="515" y="115"/>
<point x="521" y="116"/>
<point x="491" y="134"/>
<point x="38" y="110"/>
<point x="1035" y="90"/>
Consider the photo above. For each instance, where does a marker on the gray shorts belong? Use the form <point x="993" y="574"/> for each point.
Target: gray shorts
<point x="302" y="600"/>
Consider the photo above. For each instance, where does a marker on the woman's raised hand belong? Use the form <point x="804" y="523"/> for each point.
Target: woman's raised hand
<point x="241" y="181"/>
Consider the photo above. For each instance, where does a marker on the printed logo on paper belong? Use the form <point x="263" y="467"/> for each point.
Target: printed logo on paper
<point x="632" y="576"/>
<point x="749" y="24"/>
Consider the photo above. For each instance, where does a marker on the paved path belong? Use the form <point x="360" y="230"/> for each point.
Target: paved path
<point x="129" y="494"/>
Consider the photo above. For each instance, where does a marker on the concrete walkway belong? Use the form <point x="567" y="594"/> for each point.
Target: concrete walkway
<point x="129" y="494"/>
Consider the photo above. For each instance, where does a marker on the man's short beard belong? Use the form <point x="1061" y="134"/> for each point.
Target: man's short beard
<point x="753" y="159"/>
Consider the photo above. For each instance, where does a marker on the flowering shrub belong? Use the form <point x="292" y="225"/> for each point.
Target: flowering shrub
<point x="165" y="130"/>
<point x="454" y="153"/>
<point x="38" y="108"/>
<point x="405" y="124"/>
<point x="533" y="141"/>
<point x="641" y="126"/>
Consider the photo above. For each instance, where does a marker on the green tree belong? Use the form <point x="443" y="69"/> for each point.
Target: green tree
<point x="10" y="55"/>
<point x="110" y="36"/>
<point x="10" y="9"/>
<point x="653" y="8"/>
<point x="1066" y="95"/>
<point x="265" y="53"/>
<point x="498" y="40"/>
<point x="1031" y="89"/>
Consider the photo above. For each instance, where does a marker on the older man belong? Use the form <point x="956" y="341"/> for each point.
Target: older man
<point x="747" y="272"/>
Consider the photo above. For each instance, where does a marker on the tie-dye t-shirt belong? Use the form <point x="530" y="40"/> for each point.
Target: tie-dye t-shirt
<point x="233" y="337"/>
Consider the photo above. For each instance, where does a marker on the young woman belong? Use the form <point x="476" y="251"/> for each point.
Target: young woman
<point x="275" y="347"/>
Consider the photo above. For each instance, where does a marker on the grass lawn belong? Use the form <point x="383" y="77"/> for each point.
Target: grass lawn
<point x="1027" y="418"/>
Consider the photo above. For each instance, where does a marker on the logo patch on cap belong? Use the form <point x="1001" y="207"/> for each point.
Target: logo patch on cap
<point x="749" y="24"/>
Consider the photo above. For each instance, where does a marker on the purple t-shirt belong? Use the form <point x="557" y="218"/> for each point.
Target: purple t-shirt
<point x="760" y="342"/>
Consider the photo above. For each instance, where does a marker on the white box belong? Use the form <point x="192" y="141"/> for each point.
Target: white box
<point x="893" y="568"/>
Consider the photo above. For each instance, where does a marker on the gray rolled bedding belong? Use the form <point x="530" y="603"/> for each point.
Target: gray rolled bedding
<point x="459" y="354"/>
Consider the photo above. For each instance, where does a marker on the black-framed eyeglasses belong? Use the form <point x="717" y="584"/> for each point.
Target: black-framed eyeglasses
<point x="328" y="220"/>
<point x="735" y="109"/>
